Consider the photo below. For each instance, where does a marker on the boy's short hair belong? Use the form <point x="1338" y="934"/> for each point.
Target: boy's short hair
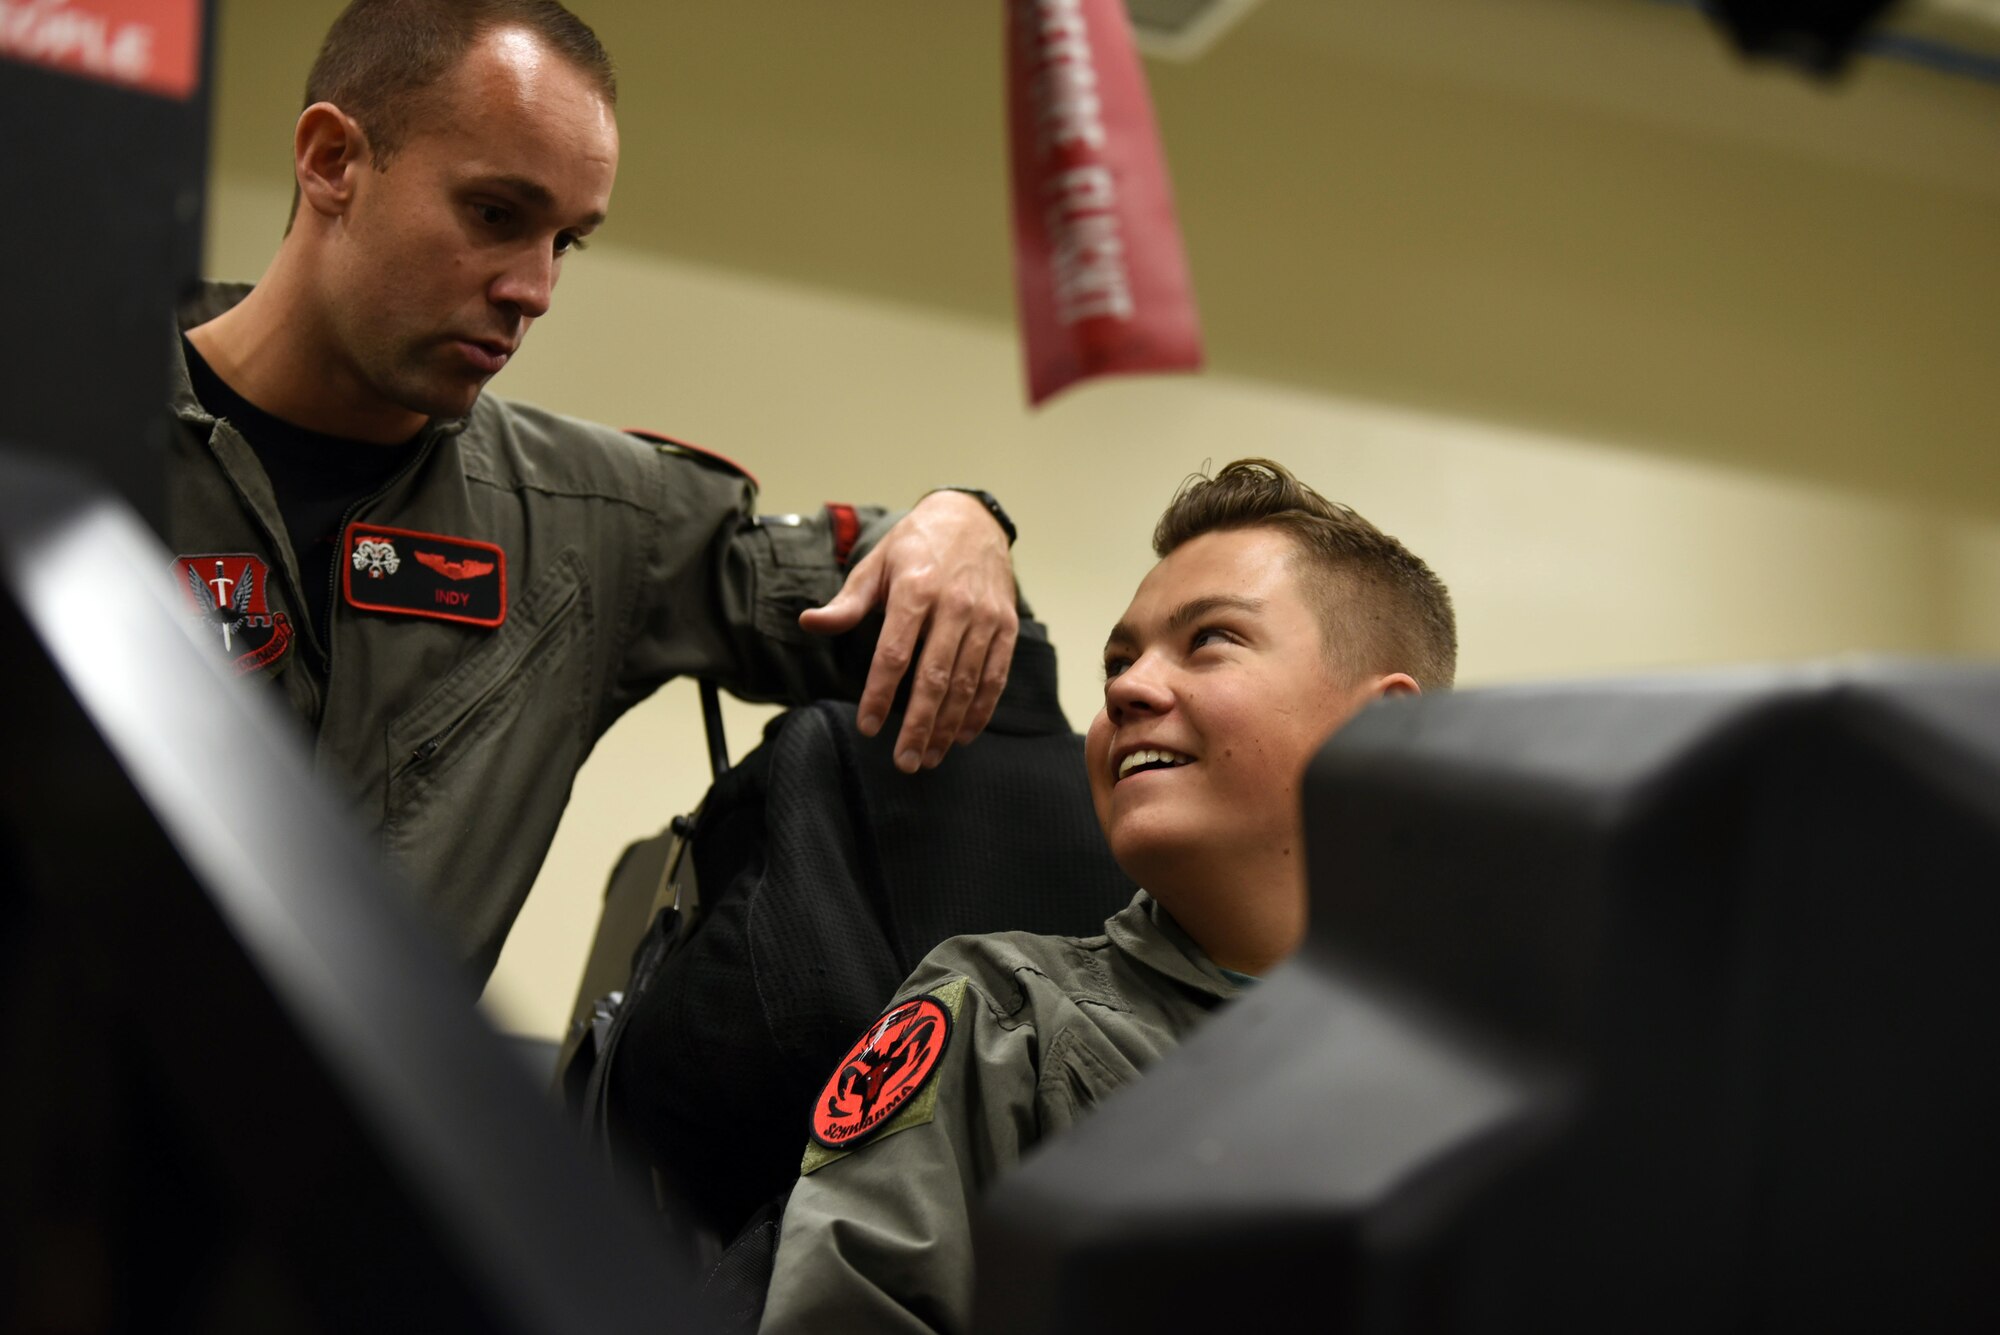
<point x="1381" y="609"/>
<point x="382" y="59"/>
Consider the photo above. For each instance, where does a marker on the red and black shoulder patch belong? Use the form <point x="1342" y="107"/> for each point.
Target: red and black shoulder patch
<point x="882" y="1072"/>
<point x="694" y="452"/>
<point x="406" y="572"/>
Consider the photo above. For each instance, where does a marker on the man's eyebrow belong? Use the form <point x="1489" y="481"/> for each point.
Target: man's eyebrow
<point x="531" y="191"/>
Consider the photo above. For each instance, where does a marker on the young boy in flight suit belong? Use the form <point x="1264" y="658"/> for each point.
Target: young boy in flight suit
<point x="1272" y="617"/>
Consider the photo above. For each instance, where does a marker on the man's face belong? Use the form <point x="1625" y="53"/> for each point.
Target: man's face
<point x="1218" y="691"/>
<point x="451" y="251"/>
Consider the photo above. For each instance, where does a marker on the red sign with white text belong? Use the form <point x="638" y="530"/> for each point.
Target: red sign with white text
<point x="1101" y="278"/>
<point x="151" y="45"/>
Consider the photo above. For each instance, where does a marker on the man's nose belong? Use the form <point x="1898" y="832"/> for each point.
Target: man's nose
<point x="528" y="284"/>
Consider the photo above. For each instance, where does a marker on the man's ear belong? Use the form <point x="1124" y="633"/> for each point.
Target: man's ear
<point x="328" y="152"/>
<point x="1397" y="683"/>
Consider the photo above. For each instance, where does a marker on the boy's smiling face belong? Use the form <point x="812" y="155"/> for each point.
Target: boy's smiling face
<point x="1219" y="687"/>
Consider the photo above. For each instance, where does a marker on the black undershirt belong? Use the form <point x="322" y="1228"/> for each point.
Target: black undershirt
<point x="316" y="478"/>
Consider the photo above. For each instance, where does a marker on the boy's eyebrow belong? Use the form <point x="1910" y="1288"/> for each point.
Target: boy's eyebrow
<point x="1196" y="608"/>
<point x="1187" y="613"/>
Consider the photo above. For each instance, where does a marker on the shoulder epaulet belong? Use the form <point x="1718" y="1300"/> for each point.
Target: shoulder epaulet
<point x="686" y="450"/>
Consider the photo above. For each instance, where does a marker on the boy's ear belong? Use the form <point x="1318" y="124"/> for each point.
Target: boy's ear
<point x="1397" y="683"/>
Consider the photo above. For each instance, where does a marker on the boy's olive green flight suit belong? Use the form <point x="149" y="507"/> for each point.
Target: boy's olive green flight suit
<point x="879" y="1237"/>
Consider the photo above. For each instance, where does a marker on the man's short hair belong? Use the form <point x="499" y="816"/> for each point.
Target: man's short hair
<point x="1381" y="609"/>
<point x="382" y="60"/>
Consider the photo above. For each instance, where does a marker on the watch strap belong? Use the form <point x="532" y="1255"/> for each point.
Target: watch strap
<point x="993" y="507"/>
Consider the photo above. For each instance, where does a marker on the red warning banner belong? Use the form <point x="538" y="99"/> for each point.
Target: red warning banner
<point x="1101" y="279"/>
<point x="152" y="45"/>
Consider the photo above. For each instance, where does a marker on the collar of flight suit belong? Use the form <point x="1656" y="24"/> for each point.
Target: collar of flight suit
<point x="1145" y="930"/>
<point x="211" y="300"/>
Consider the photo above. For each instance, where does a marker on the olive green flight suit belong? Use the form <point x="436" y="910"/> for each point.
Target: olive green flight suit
<point x="627" y="562"/>
<point x="879" y="1237"/>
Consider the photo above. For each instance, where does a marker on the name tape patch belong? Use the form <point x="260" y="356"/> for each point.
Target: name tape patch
<point x="406" y="572"/>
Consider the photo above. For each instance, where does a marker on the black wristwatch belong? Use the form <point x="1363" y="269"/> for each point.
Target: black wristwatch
<point x="993" y="507"/>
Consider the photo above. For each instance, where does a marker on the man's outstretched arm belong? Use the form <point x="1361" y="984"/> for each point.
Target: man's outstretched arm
<point x="944" y="579"/>
<point x="777" y="607"/>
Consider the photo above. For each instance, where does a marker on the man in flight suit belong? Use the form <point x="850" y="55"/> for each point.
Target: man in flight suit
<point x="458" y="594"/>
<point x="1272" y="616"/>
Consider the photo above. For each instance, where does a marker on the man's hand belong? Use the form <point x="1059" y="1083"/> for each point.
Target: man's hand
<point x="944" y="576"/>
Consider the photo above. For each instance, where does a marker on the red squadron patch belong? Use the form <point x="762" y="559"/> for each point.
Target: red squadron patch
<point x="227" y="593"/>
<point x="881" y="1073"/>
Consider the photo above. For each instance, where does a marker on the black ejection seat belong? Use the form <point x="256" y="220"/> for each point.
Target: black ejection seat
<point x="825" y="876"/>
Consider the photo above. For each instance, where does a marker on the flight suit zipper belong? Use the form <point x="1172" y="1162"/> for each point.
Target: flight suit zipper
<point x="347" y="517"/>
<point x="425" y="751"/>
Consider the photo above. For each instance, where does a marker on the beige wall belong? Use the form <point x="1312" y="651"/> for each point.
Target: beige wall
<point x="1582" y="216"/>
<point x="1566" y="557"/>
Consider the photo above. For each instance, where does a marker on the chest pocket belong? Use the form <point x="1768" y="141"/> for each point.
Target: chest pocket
<point x="480" y="768"/>
<point x="1076" y="1076"/>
